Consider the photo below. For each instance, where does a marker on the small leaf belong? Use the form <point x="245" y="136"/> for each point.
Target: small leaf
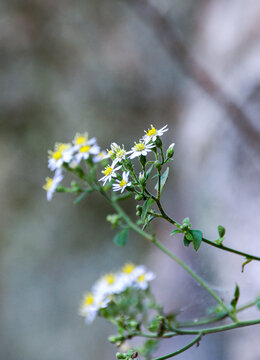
<point x="121" y="238"/>
<point x="177" y="231"/>
<point x="149" y="171"/>
<point x="247" y="261"/>
<point x="148" y="220"/>
<point x="164" y="178"/>
<point x="82" y="196"/>
<point x="234" y="301"/>
<point x="197" y="238"/>
<point x="186" y="221"/>
<point x="221" y="231"/>
<point x="258" y="303"/>
<point x="146" y="206"/>
<point x="186" y="241"/>
<point x="189" y="236"/>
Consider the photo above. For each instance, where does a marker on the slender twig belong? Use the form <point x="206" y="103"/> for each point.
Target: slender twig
<point x="172" y="41"/>
<point x="193" y="342"/>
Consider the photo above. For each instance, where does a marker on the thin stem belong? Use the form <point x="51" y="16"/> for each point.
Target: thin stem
<point x="195" y="276"/>
<point x="222" y="247"/>
<point x="193" y="342"/>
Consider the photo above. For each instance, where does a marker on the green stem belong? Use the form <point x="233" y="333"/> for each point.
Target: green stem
<point x="214" y="319"/>
<point x="149" y="237"/>
<point x="193" y="342"/>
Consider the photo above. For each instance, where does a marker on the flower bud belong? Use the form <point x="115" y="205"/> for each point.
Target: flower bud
<point x="114" y="339"/>
<point x="142" y="179"/>
<point x="158" y="165"/>
<point x="120" y="355"/>
<point x="113" y="220"/>
<point x="170" y="151"/>
<point x="138" y="197"/>
<point x="158" y="142"/>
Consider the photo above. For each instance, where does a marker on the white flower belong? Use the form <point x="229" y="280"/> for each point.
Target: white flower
<point x="119" y="153"/>
<point x="85" y="151"/>
<point x="99" y="157"/>
<point x="142" y="280"/>
<point x="62" y="154"/>
<point x="109" y="172"/>
<point x="108" y="285"/>
<point x="153" y="133"/>
<point x="81" y="139"/>
<point x="89" y="307"/>
<point x="52" y="183"/>
<point x="140" y="148"/>
<point x="122" y="184"/>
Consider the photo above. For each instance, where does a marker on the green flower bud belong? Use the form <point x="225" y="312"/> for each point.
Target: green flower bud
<point x="141" y="178"/>
<point x="114" y="339"/>
<point x="138" y="197"/>
<point x="158" y="142"/>
<point x="120" y="355"/>
<point x="170" y="151"/>
<point x="113" y="220"/>
<point x="158" y="165"/>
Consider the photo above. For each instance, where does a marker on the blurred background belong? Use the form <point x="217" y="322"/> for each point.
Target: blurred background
<point x="99" y="66"/>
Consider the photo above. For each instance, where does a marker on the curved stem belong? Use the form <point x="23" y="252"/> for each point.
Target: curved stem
<point x="193" y="342"/>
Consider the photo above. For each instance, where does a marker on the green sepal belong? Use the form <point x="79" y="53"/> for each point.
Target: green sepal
<point x="121" y="238"/>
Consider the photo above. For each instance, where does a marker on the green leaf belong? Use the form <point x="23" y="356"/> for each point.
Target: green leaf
<point x="221" y="231"/>
<point x="258" y="303"/>
<point x="149" y="171"/>
<point x="234" y="301"/>
<point x="186" y="241"/>
<point x="146" y="206"/>
<point x="164" y="178"/>
<point x="121" y="238"/>
<point x="82" y="196"/>
<point x="148" y="220"/>
<point x="197" y="238"/>
<point x="177" y="231"/>
<point x="189" y="236"/>
<point x="186" y="221"/>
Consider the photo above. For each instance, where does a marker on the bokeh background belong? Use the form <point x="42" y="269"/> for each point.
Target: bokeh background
<point x="98" y="66"/>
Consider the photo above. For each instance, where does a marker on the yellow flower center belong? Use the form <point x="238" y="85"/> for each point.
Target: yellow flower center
<point x="140" y="146"/>
<point x="110" y="279"/>
<point x="48" y="184"/>
<point x="81" y="139"/>
<point x="110" y="152"/>
<point x="56" y="155"/>
<point x="122" y="183"/>
<point x="88" y="300"/>
<point x="152" y="131"/>
<point x="84" y="149"/>
<point x="128" y="268"/>
<point x="120" y="153"/>
<point x="108" y="170"/>
<point x="141" y="278"/>
<point x="59" y="148"/>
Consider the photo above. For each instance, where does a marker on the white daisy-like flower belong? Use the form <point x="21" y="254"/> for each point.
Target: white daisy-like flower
<point x="100" y="156"/>
<point x="152" y="133"/>
<point x="62" y="154"/>
<point x="114" y="147"/>
<point x="109" y="172"/>
<point x="85" y="151"/>
<point x="82" y="139"/>
<point x="119" y="154"/>
<point x="89" y="307"/>
<point x="122" y="184"/>
<point x="52" y="183"/>
<point x="141" y="148"/>
<point x="108" y="285"/>
<point x="143" y="279"/>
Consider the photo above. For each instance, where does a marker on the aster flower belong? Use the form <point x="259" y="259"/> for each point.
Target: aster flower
<point x="82" y="139"/>
<point x="62" y="154"/>
<point x="153" y="133"/>
<point x="52" y="183"/>
<point x="89" y="307"/>
<point x="85" y="151"/>
<point x="122" y="184"/>
<point x="109" y="172"/>
<point x="119" y="153"/>
<point x="143" y="279"/>
<point x="141" y="148"/>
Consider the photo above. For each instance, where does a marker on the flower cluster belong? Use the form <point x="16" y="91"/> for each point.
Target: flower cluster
<point x="71" y="154"/>
<point x="105" y="290"/>
<point x="119" y="155"/>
